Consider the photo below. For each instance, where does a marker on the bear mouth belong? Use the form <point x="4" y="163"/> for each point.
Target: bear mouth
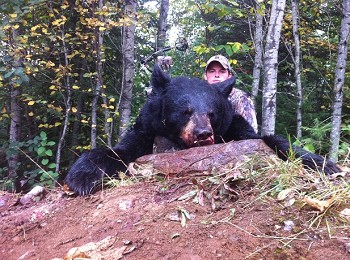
<point x="204" y="142"/>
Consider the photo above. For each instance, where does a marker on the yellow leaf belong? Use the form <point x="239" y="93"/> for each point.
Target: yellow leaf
<point x="211" y="28"/>
<point x="321" y="205"/>
<point x="34" y="28"/>
<point x="58" y="109"/>
<point x="57" y="22"/>
<point x="53" y="87"/>
<point x="75" y="87"/>
<point x="112" y="99"/>
<point x="30" y="103"/>
<point x="50" y="64"/>
<point x="30" y="114"/>
<point x="74" y="109"/>
<point x="58" y="123"/>
<point x="109" y="120"/>
<point x="13" y="15"/>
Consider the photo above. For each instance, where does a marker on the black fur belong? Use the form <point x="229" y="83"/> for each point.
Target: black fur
<point x="173" y="103"/>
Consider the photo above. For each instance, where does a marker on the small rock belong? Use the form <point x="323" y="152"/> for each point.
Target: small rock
<point x="288" y="225"/>
<point x="125" y="205"/>
<point x="174" y="216"/>
<point x="345" y="213"/>
<point x="35" y="195"/>
<point x="347" y="247"/>
<point x="2" y="202"/>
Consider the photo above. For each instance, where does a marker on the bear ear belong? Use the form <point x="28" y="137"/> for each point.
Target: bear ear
<point x="159" y="78"/>
<point x="226" y="86"/>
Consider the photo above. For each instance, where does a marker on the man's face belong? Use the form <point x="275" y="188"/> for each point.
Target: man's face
<point x="216" y="73"/>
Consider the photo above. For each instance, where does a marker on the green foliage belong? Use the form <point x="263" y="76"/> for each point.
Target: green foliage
<point x="39" y="153"/>
<point x="41" y="149"/>
<point x="316" y="139"/>
<point x="49" y="52"/>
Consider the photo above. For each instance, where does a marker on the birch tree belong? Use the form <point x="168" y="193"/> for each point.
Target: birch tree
<point x="271" y="67"/>
<point x="297" y="65"/>
<point x="67" y="102"/>
<point x="258" y="47"/>
<point x="98" y="45"/>
<point x="14" y="131"/>
<point x="162" y="25"/>
<point x="339" y="79"/>
<point x="15" y="113"/>
<point x="128" y="66"/>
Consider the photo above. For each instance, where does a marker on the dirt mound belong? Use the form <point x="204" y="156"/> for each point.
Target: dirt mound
<point x="166" y="220"/>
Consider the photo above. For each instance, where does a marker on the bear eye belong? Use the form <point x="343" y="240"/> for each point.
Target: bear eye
<point x="188" y="112"/>
<point x="211" y="114"/>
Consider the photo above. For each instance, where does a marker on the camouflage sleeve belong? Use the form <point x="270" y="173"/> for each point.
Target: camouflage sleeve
<point x="243" y="105"/>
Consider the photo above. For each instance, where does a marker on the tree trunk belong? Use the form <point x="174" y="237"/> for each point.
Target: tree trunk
<point x="162" y="25"/>
<point x="15" y="126"/>
<point x="128" y="68"/>
<point x="15" y="118"/>
<point x="339" y="80"/>
<point x="271" y="67"/>
<point x="97" y="93"/>
<point x="77" y="124"/>
<point x="99" y="69"/>
<point x="258" y="39"/>
<point x="297" y="65"/>
<point x="67" y="103"/>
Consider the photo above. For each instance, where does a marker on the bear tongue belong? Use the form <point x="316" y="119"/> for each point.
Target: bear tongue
<point x="204" y="142"/>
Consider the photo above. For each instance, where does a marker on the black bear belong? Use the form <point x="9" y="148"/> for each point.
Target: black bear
<point x="189" y="112"/>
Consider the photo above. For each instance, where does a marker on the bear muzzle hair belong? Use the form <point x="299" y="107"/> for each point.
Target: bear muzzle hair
<point x="198" y="131"/>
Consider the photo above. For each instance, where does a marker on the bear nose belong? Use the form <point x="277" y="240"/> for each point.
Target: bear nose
<point x="203" y="134"/>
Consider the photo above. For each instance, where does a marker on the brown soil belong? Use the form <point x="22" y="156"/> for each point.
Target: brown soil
<point x="146" y="220"/>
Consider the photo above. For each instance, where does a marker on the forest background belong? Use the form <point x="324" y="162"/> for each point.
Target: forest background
<point x="72" y="75"/>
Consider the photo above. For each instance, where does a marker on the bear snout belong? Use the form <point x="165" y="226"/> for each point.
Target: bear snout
<point x="203" y="134"/>
<point x="198" y="131"/>
<point x="203" y="137"/>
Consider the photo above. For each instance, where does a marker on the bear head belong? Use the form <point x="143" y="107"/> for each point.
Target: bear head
<point x="191" y="112"/>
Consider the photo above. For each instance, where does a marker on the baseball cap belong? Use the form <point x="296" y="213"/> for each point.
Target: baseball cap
<point x="222" y="60"/>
